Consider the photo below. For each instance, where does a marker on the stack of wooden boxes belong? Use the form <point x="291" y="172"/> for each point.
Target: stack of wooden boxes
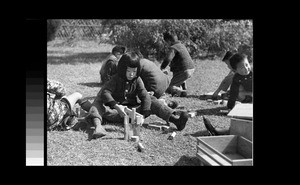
<point x="234" y="149"/>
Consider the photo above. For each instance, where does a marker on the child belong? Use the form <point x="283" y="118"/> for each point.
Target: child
<point x="226" y="82"/>
<point x="241" y="87"/>
<point x="60" y="107"/>
<point x="109" y="66"/>
<point x="122" y="91"/>
<point x="181" y="64"/>
<point x="154" y="79"/>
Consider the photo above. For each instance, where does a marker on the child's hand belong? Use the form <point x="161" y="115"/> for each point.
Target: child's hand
<point x="120" y="109"/>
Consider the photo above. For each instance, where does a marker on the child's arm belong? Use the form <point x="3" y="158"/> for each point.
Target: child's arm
<point x="234" y="92"/>
<point x="168" y="59"/>
<point x="225" y="84"/>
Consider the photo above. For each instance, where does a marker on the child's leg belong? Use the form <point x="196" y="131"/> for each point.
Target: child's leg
<point x="179" y="78"/>
<point x="166" y="113"/>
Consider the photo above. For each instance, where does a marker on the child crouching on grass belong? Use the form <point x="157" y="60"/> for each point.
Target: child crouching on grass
<point x="123" y="90"/>
<point x="60" y="113"/>
<point x="241" y="87"/>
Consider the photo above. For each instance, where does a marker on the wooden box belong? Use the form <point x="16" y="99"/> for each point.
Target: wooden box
<point x="226" y="150"/>
<point x="241" y="127"/>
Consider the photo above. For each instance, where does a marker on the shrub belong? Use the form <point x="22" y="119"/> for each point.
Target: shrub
<point x="201" y="36"/>
<point x="52" y="28"/>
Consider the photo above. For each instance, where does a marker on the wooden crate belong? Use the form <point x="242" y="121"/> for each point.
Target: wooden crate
<point x="242" y="111"/>
<point x="241" y="127"/>
<point x="226" y="150"/>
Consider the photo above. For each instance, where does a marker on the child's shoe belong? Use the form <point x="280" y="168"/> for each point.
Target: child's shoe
<point x="181" y="121"/>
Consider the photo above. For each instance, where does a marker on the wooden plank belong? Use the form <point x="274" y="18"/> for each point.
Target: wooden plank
<point x="243" y="162"/>
<point x="244" y="147"/>
<point x="207" y="160"/>
<point x="214" y="156"/>
<point x="212" y="150"/>
<point x="220" y="143"/>
<point x="241" y="127"/>
<point x="242" y="110"/>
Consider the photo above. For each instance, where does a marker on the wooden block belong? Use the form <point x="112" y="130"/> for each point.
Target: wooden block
<point x="171" y="137"/>
<point x="241" y="127"/>
<point x="126" y="127"/>
<point x="156" y="127"/>
<point x="135" y="138"/>
<point x="192" y="114"/>
<point x="209" y="100"/>
<point x="141" y="148"/>
<point x="165" y="128"/>
<point x="217" y="102"/>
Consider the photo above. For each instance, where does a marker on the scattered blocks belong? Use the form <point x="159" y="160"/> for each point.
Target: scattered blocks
<point x="192" y="114"/>
<point x="141" y="148"/>
<point x="171" y="137"/>
<point x="135" y="138"/>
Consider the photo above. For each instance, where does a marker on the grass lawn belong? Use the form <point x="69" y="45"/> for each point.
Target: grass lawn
<point x="78" y="68"/>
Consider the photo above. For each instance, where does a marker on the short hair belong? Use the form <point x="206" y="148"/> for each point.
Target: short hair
<point x="235" y="59"/>
<point x="129" y="59"/>
<point x="227" y="56"/>
<point x="170" y="37"/>
<point x="118" y="48"/>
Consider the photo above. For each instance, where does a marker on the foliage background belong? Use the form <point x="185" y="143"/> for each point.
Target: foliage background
<point x="203" y="37"/>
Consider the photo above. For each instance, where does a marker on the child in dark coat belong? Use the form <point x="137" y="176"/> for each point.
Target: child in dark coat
<point x="181" y="64"/>
<point x="109" y="66"/>
<point x="241" y="87"/>
<point x="60" y="108"/>
<point x="122" y="91"/>
<point x="226" y="82"/>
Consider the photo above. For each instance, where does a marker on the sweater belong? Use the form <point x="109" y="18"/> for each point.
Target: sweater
<point x="181" y="60"/>
<point x="239" y="80"/>
<point x="154" y="79"/>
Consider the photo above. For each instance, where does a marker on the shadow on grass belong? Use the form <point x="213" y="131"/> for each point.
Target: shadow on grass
<point x="188" y="161"/>
<point x="77" y="58"/>
<point x="202" y="97"/>
<point x="211" y="111"/>
<point x="198" y="133"/>
<point x="91" y="84"/>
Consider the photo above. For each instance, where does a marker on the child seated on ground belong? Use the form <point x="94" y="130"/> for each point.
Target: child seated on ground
<point x="123" y="90"/>
<point x="109" y="65"/>
<point x="241" y="87"/>
<point x="181" y="64"/>
<point x="60" y="113"/>
<point x="226" y="82"/>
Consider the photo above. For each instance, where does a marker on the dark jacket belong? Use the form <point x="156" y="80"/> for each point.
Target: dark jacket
<point x="237" y="81"/>
<point x="108" y="68"/>
<point x="154" y="79"/>
<point x="122" y="91"/>
<point x="181" y="60"/>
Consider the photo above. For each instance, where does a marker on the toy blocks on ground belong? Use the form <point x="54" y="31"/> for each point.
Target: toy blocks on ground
<point x="226" y="150"/>
<point x="132" y="123"/>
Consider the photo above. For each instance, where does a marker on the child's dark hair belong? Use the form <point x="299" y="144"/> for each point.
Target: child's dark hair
<point x="227" y="56"/>
<point x="129" y="59"/>
<point x="120" y="49"/>
<point x="235" y="59"/>
<point x="170" y="37"/>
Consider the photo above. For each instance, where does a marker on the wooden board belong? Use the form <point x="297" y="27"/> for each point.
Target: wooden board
<point x="224" y="150"/>
<point x="242" y="110"/>
<point x="241" y="127"/>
